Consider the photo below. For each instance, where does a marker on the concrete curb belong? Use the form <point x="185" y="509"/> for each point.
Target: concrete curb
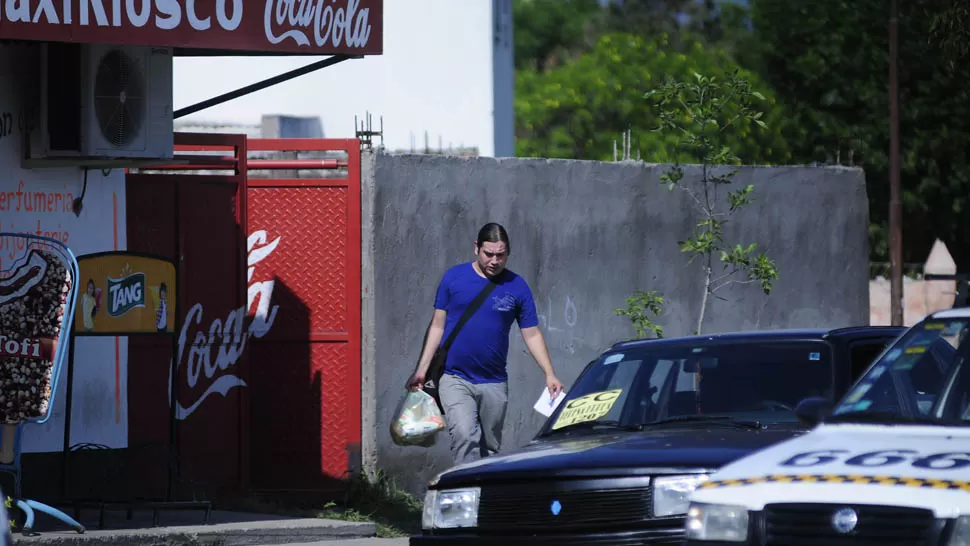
<point x="290" y="531"/>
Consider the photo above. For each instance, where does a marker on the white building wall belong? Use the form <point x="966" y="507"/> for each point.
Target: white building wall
<point x="39" y="202"/>
<point x="437" y="74"/>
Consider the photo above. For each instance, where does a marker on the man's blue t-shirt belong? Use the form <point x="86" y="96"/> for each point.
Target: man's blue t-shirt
<point x="480" y="351"/>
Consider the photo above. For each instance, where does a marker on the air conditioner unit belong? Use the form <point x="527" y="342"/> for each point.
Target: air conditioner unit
<point x="102" y="105"/>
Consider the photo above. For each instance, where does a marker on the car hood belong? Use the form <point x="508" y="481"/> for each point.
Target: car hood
<point x="898" y="465"/>
<point x="592" y="454"/>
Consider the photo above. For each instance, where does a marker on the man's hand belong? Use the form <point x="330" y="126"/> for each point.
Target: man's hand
<point x="554" y="385"/>
<point x="432" y="337"/>
<point x="416" y="382"/>
<point x="537" y="346"/>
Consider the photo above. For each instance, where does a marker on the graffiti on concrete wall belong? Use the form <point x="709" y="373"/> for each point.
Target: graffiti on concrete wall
<point x="216" y="350"/>
<point x="558" y="319"/>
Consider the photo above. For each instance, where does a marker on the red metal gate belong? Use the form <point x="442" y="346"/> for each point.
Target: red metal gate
<point x="306" y="369"/>
<point x="269" y="349"/>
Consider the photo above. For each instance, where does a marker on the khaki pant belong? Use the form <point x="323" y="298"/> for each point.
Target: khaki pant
<point x="475" y="413"/>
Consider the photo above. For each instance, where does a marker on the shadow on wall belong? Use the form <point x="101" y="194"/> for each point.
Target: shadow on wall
<point x="287" y="390"/>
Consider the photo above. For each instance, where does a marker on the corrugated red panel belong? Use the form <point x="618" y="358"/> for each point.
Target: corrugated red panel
<point x="306" y="371"/>
<point x="301" y="423"/>
<point x="311" y="259"/>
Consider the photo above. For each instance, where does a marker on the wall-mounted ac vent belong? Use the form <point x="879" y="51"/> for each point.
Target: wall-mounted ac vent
<point x="102" y="105"/>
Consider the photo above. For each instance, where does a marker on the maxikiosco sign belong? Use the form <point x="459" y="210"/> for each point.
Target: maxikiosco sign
<point x="126" y="294"/>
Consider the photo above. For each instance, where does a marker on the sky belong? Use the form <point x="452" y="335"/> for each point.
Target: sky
<point x="435" y="75"/>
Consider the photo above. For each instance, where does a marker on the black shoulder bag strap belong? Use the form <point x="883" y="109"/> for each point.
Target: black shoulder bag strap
<point x="437" y="368"/>
<point x="469" y="311"/>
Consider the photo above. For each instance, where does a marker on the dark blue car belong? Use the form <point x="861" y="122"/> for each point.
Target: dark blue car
<point x="643" y="425"/>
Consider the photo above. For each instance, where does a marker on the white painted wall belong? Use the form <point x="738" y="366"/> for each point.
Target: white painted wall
<point x="436" y="74"/>
<point x="96" y="417"/>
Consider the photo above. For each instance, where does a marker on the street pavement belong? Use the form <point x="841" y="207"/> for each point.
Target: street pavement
<point x="358" y="542"/>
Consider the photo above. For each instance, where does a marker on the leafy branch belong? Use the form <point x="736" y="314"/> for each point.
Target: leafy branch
<point x="639" y="308"/>
<point x="699" y="113"/>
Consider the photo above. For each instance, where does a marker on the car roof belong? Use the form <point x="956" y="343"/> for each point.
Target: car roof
<point x="765" y="335"/>
<point x="957" y="312"/>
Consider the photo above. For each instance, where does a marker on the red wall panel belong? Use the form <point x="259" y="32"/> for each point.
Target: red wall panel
<point x="280" y="411"/>
<point x="306" y="370"/>
<point x="212" y="275"/>
<point x="311" y="259"/>
<point x="151" y="229"/>
<point x="196" y="221"/>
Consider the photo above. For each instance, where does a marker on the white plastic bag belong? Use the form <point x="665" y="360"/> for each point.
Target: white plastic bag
<point x="418" y="420"/>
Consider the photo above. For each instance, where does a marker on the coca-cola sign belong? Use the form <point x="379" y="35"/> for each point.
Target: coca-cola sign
<point x="210" y="347"/>
<point x="323" y="20"/>
<point x="282" y="26"/>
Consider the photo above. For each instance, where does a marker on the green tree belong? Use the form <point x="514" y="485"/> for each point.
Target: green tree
<point x="545" y="30"/>
<point x="704" y="112"/>
<point x="831" y="71"/>
<point x="578" y="109"/>
<point x="950" y="27"/>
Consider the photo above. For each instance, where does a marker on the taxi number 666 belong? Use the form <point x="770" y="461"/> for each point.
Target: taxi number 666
<point x="951" y="460"/>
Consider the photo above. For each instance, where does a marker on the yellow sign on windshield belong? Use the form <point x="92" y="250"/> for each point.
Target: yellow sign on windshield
<point x="587" y="408"/>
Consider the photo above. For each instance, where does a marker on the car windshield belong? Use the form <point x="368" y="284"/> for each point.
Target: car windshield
<point x="658" y="383"/>
<point x="906" y="382"/>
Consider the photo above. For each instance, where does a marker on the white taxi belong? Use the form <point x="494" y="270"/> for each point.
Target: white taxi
<point x="890" y="464"/>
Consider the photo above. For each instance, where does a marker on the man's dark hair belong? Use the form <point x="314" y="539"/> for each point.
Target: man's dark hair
<point x="493" y="233"/>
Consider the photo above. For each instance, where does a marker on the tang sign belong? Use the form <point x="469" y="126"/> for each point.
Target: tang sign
<point x="125" y="293"/>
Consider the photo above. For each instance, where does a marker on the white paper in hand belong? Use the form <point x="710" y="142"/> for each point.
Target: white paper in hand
<point x="546" y="405"/>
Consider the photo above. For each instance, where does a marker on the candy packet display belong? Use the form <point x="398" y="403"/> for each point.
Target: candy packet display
<point x="33" y="295"/>
<point x="418" y="420"/>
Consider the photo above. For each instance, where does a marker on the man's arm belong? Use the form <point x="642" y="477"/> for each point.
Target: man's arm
<point x="432" y="338"/>
<point x="537" y="347"/>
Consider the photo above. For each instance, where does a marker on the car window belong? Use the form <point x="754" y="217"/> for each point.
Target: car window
<point x="908" y="378"/>
<point x="620" y="377"/>
<point x="763" y="381"/>
<point x="862" y="354"/>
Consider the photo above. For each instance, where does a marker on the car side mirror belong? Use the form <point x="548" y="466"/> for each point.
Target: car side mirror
<point x="811" y="411"/>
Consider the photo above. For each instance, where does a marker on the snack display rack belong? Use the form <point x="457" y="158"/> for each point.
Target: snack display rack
<point x="38" y="293"/>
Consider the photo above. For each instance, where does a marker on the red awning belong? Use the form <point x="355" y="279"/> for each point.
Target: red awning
<point x="204" y="27"/>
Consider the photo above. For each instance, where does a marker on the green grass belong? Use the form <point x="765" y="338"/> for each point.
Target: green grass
<point x="395" y="512"/>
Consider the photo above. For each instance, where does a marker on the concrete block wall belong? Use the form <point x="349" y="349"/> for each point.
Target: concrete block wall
<point x="585" y="235"/>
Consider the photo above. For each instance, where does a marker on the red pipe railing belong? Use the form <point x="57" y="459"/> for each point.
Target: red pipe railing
<point x="208" y="162"/>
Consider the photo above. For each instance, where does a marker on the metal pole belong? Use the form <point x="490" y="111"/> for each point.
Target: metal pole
<point x="286" y="76"/>
<point x="66" y="449"/>
<point x="895" y="203"/>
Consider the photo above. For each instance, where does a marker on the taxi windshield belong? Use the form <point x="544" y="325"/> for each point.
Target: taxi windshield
<point x="644" y="386"/>
<point x="908" y="381"/>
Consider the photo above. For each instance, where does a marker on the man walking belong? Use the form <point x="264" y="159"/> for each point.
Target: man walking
<point x="474" y="387"/>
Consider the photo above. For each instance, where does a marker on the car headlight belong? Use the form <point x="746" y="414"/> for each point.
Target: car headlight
<point x="717" y="522"/>
<point x="961" y="532"/>
<point x="451" y="508"/>
<point x="671" y="494"/>
<point x="427" y="513"/>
